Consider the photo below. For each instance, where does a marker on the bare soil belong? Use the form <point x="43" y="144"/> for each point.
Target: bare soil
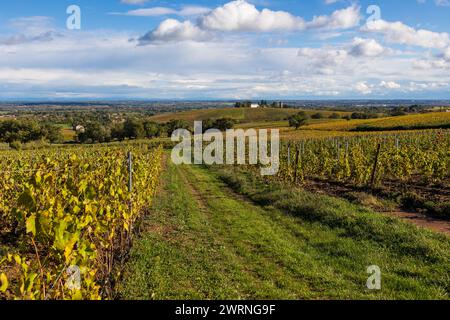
<point x="384" y="200"/>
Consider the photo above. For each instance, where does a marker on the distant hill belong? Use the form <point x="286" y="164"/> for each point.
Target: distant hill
<point x="408" y="122"/>
<point x="243" y="115"/>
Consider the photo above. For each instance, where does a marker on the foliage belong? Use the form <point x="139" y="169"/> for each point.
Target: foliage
<point x="433" y="120"/>
<point x="173" y="125"/>
<point x="222" y="124"/>
<point x="27" y="130"/>
<point x="351" y="159"/>
<point x="71" y="207"/>
<point x="317" y="116"/>
<point x="297" y="120"/>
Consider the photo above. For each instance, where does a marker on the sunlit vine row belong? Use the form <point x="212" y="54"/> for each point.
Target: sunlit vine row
<point x="66" y="210"/>
<point x="415" y="158"/>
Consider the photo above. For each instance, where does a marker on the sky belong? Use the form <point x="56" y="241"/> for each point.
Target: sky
<point x="198" y="49"/>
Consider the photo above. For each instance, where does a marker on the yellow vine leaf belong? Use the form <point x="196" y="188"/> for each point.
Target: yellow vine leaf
<point x="4" y="283"/>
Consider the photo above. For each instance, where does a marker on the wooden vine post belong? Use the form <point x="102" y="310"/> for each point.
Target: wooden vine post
<point x="297" y="159"/>
<point x="375" y="165"/>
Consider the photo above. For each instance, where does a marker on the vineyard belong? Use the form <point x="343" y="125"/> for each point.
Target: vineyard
<point x="67" y="218"/>
<point x="408" y="122"/>
<point x="68" y="215"/>
<point x="369" y="160"/>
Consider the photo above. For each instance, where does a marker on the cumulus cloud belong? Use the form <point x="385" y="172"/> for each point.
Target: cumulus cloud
<point x="340" y="19"/>
<point x="389" y="85"/>
<point x="322" y="57"/>
<point x="366" y="48"/>
<point x="447" y="54"/>
<point x="397" y="32"/>
<point x="22" y="38"/>
<point x="427" y="64"/>
<point x="174" y="30"/>
<point x="216" y="64"/>
<point x="242" y="16"/>
<point x="31" y="29"/>
<point x="363" y="88"/>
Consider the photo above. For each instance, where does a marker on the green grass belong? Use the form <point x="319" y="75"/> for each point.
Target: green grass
<point x="204" y="241"/>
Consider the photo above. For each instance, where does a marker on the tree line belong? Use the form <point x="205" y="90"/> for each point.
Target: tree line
<point x="23" y="131"/>
<point x="139" y="129"/>
<point x="300" y="119"/>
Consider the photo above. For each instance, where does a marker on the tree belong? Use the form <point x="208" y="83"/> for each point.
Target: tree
<point x="297" y="120"/>
<point x="26" y="130"/>
<point x="118" y="132"/>
<point x="335" y="116"/>
<point x="245" y="104"/>
<point x="174" y="125"/>
<point x="317" y="116"/>
<point x="208" y="124"/>
<point x="133" y="129"/>
<point x="95" y="132"/>
<point x="364" y="115"/>
<point x="224" y="124"/>
<point x="152" y="129"/>
<point x="52" y="133"/>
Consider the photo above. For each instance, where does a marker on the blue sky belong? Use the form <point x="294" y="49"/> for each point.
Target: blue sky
<point x="197" y="49"/>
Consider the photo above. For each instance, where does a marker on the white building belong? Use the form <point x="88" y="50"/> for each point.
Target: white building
<point x="254" y="106"/>
<point x="80" y="129"/>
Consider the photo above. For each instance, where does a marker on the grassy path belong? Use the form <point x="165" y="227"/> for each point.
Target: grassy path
<point x="202" y="241"/>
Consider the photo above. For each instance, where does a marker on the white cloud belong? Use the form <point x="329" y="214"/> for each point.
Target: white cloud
<point x="340" y="19"/>
<point x="442" y="3"/>
<point x="216" y="64"/>
<point x="427" y="64"/>
<point x="32" y="25"/>
<point x="161" y="11"/>
<point x="30" y="29"/>
<point x="363" y="88"/>
<point x="439" y="3"/>
<point x="174" y="30"/>
<point x="322" y="57"/>
<point x="242" y="16"/>
<point x="397" y="32"/>
<point x="134" y="2"/>
<point x="151" y="12"/>
<point x="447" y="54"/>
<point x="390" y="85"/>
<point x="193" y="10"/>
<point x="366" y="48"/>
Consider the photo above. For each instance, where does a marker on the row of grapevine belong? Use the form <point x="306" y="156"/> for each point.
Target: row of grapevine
<point x="423" y="158"/>
<point x="67" y="218"/>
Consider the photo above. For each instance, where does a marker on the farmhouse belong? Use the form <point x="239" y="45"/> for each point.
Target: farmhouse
<point x="80" y="129"/>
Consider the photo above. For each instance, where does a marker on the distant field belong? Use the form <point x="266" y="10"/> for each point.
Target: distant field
<point x="243" y="115"/>
<point x="415" y="121"/>
<point x="68" y="134"/>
